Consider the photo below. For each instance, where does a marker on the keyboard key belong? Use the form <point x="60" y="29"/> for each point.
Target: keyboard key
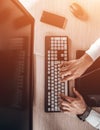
<point x="52" y="92"/>
<point x="49" y="104"/>
<point x="55" y="80"/>
<point x="49" y="52"/>
<point x="48" y="109"/>
<point x="52" y="109"/>
<point x="52" y="74"/>
<point x="56" y="94"/>
<point x="52" y="106"/>
<point x="52" y="99"/>
<point x="48" y="97"/>
<point x="56" y="90"/>
<point x="49" y="88"/>
<point x="52" y="38"/>
<point x="48" y="72"/>
<point x="56" y="105"/>
<point x="62" y="91"/>
<point x="52" y="88"/>
<point x="52" y="81"/>
<point x="56" y="87"/>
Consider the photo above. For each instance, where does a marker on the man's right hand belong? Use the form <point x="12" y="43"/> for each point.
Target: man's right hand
<point x="75" y="68"/>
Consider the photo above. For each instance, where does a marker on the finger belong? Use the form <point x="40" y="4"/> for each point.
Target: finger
<point x="67" y="98"/>
<point x="66" y="112"/>
<point x="62" y="96"/>
<point x="66" y="68"/>
<point x="63" y="69"/>
<point x="77" y="94"/>
<point x="65" y="108"/>
<point x="67" y="78"/>
<point x="65" y="73"/>
<point x="60" y="102"/>
<point x="64" y="77"/>
<point x="65" y="63"/>
<point x="65" y="104"/>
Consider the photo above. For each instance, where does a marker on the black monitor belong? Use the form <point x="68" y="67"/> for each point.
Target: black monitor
<point x="16" y="67"/>
<point x="89" y="83"/>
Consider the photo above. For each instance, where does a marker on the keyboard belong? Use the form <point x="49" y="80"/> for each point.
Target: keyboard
<point x="56" y="52"/>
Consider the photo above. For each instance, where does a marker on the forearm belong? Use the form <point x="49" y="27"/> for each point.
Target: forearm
<point x="86" y="60"/>
<point x="94" y="50"/>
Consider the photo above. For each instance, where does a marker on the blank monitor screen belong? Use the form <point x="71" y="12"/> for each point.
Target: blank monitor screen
<point x="89" y="83"/>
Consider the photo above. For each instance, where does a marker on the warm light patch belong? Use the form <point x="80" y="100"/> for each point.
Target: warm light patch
<point x="27" y="3"/>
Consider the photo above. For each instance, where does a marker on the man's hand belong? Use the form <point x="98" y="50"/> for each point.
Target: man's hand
<point x="75" y="68"/>
<point x="72" y="105"/>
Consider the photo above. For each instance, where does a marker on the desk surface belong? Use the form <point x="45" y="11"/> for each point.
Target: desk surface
<point x="82" y="35"/>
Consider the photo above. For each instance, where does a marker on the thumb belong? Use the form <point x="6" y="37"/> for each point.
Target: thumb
<point x="77" y="94"/>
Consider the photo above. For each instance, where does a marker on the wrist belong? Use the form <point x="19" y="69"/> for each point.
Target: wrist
<point x="83" y="110"/>
<point x="85" y="114"/>
<point x="88" y="61"/>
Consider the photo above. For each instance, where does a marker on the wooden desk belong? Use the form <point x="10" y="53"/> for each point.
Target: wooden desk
<point x="82" y="35"/>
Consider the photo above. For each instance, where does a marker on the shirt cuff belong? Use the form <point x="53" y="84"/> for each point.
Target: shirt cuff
<point x="94" y="119"/>
<point x="94" y="50"/>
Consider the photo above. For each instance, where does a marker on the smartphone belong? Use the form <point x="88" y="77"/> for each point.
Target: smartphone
<point x="53" y="19"/>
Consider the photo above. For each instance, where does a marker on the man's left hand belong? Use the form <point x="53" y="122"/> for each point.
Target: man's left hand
<point x="72" y="105"/>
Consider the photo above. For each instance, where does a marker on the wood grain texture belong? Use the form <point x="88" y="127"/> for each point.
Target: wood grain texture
<point x="82" y="35"/>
